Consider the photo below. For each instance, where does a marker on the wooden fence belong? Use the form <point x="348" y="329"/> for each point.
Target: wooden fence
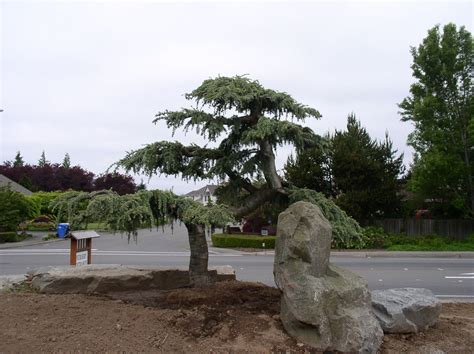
<point x="457" y="229"/>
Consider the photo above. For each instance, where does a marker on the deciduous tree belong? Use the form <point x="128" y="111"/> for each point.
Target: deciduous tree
<point x="441" y="108"/>
<point x="120" y="183"/>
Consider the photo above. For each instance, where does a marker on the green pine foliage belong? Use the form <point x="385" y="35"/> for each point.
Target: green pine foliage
<point x="130" y="212"/>
<point x="245" y="123"/>
<point x="261" y="117"/>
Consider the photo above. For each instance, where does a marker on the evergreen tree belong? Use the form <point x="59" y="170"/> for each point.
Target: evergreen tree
<point x="311" y="168"/>
<point x="66" y="161"/>
<point x="18" y="162"/>
<point x="246" y="122"/>
<point x="365" y="173"/>
<point x="42" y="162"/>
<point x="361" y="173"/>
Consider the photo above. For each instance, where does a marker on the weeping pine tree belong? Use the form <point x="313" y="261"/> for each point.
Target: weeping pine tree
<point x="245" y="123"/>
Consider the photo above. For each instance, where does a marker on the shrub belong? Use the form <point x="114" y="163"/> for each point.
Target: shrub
<point x="375" y="237"/>
<point x="40" y="223"/>
<point x="243" y="241"/>
<point x="40" y="226"/>
<point x="14" y="208"/>
<point x="42" y="202"/>
<point x="42" y="218"/>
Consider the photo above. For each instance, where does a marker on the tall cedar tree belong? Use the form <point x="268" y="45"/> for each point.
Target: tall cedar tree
<point x="244" y="124"/>
<point x="441" y="108"/>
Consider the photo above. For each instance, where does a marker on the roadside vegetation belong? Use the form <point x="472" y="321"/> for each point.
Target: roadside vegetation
<point x="374" y="239"/>
<point x="354" y="178"/>
<point x="243" y="241"/>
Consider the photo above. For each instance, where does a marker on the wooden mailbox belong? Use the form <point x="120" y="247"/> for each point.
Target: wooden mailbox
<point x="81" y="247"/>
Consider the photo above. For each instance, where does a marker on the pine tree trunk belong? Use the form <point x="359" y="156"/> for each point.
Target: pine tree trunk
<point x="198" y="261"/>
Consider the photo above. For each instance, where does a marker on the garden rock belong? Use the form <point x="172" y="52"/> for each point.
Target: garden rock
<point x="405" y="310"/>
<point x="324" y="306"/>
<point x="113" y="278"/>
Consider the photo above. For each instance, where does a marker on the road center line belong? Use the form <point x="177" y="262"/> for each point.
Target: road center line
<point x="459" y="277"/>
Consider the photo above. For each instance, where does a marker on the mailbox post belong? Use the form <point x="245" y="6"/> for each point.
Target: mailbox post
<point x="81" y="247"/>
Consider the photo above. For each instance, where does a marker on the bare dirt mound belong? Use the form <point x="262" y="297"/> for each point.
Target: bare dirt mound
<point x="454" y="333"/>
<point x="229" y="309"/>
<point x="226" y="317"/>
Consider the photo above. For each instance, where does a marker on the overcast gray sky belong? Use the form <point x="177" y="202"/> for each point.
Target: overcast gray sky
<point x="88" y="77"/>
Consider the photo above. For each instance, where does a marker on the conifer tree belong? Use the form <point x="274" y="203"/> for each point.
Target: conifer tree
<point x="66" y="161"/>
<point x="42" y="162"/>
<point x="18" y="162"/>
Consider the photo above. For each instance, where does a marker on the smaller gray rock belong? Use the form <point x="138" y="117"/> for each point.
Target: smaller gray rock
<point x="405" y="310"/>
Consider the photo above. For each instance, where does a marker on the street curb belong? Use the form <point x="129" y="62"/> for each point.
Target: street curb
<point x="383" y="254"/>
<point x="402" y="254"/>
<point x="31" y="243"/>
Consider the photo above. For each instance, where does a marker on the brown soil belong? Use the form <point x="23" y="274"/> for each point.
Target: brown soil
<point x="227" y="317"/>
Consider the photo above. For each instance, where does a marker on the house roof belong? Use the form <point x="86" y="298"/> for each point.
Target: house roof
<point x="7" y="182"/>
<point x="212" y="188"/>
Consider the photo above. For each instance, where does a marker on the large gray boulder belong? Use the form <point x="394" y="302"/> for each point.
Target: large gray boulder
<point x="324" y="306"/>
<point x="97" y="278"/>
<point x="405" y="310"/>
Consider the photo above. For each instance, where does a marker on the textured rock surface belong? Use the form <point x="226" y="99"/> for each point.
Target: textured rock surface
<point x="322" y="305"/>
<point x="304" y="240"/>
<point x="405" y="310"/>
<point x="111" y="278"/>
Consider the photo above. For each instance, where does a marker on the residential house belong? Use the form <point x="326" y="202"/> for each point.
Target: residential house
<point x="204" y="194"/>
<point x="7" y="182"/>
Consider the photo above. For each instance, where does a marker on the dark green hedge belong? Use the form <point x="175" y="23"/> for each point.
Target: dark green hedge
<point x="243" y="241"/>
<point x="12" y="237"/>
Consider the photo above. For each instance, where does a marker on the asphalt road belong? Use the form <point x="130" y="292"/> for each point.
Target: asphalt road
<point x="446" y="277"/>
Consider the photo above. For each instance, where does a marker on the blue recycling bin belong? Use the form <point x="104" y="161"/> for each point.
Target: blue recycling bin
<point x="63" y="229"/>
